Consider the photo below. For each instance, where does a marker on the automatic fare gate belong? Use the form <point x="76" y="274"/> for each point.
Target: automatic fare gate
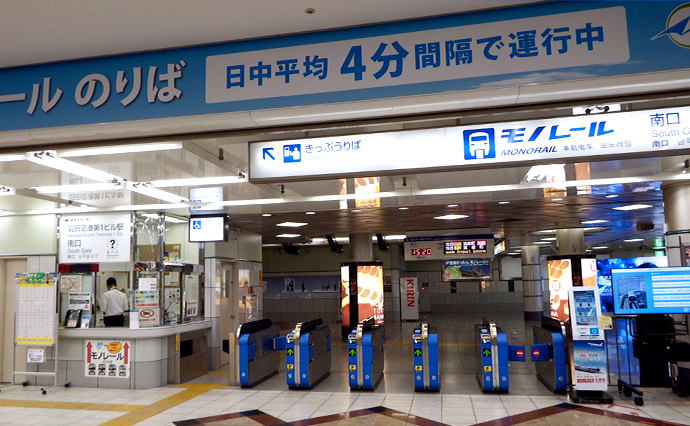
<point x="258" y="359"/>
<point x="493" y="354"/>
<point x="308" y="354"/>
<point x="365" y="355"/>
<point x="425" y="354"/>
<point x="548" y="351"/>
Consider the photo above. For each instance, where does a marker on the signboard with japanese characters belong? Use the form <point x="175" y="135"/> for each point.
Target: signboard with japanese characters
<point x="585" y="137"/>
<point x="36" y="302"/>
<point x="96" y="238"/>
<point x="449" y="247"/>
<point x="105" y="358"/>
<point x="542" y="43"/>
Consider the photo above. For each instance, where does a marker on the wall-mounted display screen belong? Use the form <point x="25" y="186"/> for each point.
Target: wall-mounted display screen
<point x="420" y="252"/>
<point x="464" y="247"/>
<point x="466" y="269"/>
<point x="651" y="291"/>
<point x="208" y="229"/>
<point x="604" y="267"/>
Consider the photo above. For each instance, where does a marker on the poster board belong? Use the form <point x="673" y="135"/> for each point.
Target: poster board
<point x="36" y="308"/>
<point x="589" y="344"/>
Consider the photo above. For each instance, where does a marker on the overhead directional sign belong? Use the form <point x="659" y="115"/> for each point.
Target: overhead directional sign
<point x="620" y="134"/>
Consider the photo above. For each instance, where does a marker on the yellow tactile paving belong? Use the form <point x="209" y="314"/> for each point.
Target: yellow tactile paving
<point x="70" y="405"/>
<point x="220" y="373"/>
<point x="148" y="411"/>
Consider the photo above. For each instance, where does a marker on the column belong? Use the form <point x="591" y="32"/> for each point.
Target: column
<point x="532" y="287"/>
<point x="361" y="248"/>
<point x="676" y="203"/>
<point x="570" y="241"/>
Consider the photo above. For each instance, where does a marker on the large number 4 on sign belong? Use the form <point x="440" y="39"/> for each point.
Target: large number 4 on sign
<point x="353" y="63"/>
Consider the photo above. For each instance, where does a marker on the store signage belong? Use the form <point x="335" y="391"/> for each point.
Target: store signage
<point x="542" y="43"/>
<point x="95" y="238"/>
<point x="107" y="358"/>
<point x="585" y="137"/>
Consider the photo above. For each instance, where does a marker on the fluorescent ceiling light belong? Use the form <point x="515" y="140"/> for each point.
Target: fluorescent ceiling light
<point x="633" y="207"/>
<point x="592" y="222"/>
<point x="119" y="149"/>
<point x="504" y="202"/>
<point x="7" y="190"/>
<point x="612" y="196"/>
<point x="145" y="188"/>
<point x="403" y="208"/>
<point x="170" y="219"/>
<point x="452" y="205"/>
<point x="550" y="239"/>
<point x="50" y="159"/>
<point x="600" y="247"/>
<point x="557" y="199"/>
<point x="391" y="237"/>
<point x="288" y="235"/>
<point x="634" y="240"/>
<point x="266" y="215"/>
<point x="12" y="157"/>
<point x="79" y="188"/>
<point x="310" y="213"/>
<point x="292" y="224"/>
<point x="355" y="211"/>
<point x="197" y="181"/>
<point x="451" y="216"/>
<point x="546" y="231"/>
<point x="541" y="242"/>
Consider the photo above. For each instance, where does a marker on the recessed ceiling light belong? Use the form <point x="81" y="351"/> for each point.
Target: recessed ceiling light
<point x="599" y="247"/>
<point x="266" y="215"/>
<point x="451" y="216"/>
<point x="504" y="202"/>
<point x="288" y="235"/>
<point x="452" y="205"/>
<point x="292" y="224"/>
<point x="310" y="213"/>
<point x="634" y="240"/>
<point x="591" y="222"/>
<point x="403" y="208"/>
<point x="611" y="196"/>
<point x="633" y="207"/>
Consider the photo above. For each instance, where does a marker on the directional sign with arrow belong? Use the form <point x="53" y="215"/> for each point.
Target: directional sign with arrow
<point x="417" y="352"/>
<point x="486" y="352"/>
<point x="267" y="151"/>
<point x="352" y="352"/>
<point x="290" y="351"/>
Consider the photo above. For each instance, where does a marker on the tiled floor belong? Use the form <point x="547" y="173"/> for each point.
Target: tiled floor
<point x="209" y="400"/>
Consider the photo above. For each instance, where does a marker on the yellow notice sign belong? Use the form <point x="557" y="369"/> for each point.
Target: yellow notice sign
<point x="487" y="369"/>
<point x="353" y="367"/>
<point x="417" y="368"/>
<point x="290" y="367"/>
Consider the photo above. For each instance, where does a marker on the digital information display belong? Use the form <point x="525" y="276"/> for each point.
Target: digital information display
<point x="651" y="291"/>
<point x="420" y="252"/>
<point x="464" y="247"/>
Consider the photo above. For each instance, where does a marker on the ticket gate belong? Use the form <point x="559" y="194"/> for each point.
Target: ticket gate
<point x="258" y="359"/>
<point x="308" y="354"/>
<point x="493" y="354"/>
<point x="365" y="355"/>
<point x="549" y="354"/>
<point x="425" y="355"/>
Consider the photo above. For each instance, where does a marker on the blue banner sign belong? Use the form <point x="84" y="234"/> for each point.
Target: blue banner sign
<point x="557" y="41"/>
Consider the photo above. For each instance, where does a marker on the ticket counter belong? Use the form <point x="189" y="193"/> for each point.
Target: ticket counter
<point x="154" y="356"/>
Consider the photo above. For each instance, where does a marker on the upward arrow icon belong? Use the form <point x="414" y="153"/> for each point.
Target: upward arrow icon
<point x="290" y="352"/>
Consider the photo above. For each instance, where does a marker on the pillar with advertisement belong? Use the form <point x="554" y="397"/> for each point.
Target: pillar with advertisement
<point x="361" y="293"/>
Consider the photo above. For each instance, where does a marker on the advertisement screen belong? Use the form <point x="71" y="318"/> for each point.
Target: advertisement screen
<point x="345" y="294"/>
<point x="651" y="291"/>
<point x="604" y="267"/>
<point x="466" y="269"/>
<point x="560" y="281"/>
<point x="370" y="292"/>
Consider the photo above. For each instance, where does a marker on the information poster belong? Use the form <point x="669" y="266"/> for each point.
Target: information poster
<point x="35" y="355"/>
<point x="147" y="303"/>
<point x="148" y="284"/>
<point x="191" y="292"/>
<point x="107" y="358"/>
<point x="36" y="302"/>
<point x="589" y="346"/>
<point x="70" y="283"/>
<point x="80" y="300"/>
<point x="96" y="238"/>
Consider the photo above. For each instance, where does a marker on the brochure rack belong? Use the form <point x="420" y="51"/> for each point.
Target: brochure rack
<point x="36" y="322"/>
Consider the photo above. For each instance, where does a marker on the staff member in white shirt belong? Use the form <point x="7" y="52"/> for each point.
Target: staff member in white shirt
<point x="113" y="305"/>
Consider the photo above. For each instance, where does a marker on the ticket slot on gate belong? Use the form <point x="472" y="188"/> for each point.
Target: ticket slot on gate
<point x="258" y="358"/>
<point x="365" y="355"/>
<point x="425" y="356"/>
<point x="548" y="354"/>
<point x="308" y="354"/>
<point x="493" y="354"/>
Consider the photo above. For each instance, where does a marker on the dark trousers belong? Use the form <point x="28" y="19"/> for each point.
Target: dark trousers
<point x="114" y="320"/>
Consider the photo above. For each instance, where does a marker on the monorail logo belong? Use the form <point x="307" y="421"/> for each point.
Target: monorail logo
<point x="678" y="26"/>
